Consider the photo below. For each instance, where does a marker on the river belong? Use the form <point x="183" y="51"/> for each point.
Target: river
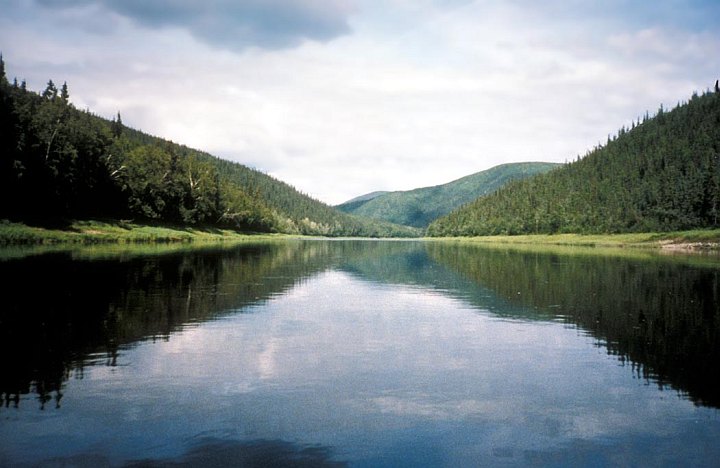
<point x="359" y="353"/>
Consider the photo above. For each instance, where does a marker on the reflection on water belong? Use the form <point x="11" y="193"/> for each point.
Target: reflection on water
<point x="660" y="316"/>
<point x="71" y="313"/>
<point x="219" y="453"/>
<point x="254" y="453"/>
<point x="322" y="353"/>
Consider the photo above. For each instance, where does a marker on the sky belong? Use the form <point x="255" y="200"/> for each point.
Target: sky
<point x="344" y="97"/>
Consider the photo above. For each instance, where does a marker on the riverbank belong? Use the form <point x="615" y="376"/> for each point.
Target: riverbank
<point x="126" y="232"/>
<point x="118" y="232"/>
<point x="695" y="240"/>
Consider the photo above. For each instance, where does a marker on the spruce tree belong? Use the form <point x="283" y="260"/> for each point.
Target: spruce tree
<point x="50" y="91"/>
<point x="3" y="78"/>
<point x="116" y="126"/>
<point x="64" y="94"/>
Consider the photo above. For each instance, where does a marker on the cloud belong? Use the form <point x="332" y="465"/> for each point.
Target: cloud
<point x="232" y="24"/>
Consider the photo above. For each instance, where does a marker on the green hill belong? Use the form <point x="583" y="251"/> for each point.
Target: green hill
<point x="351" y="205"/>
<point x="662" y="174"/>
<point x="367" y="197"/>
<point x="58" y="164"/>
<point x="420" y="206"/>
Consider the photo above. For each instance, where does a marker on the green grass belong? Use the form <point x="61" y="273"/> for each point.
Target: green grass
<point x="689" y="240"/>
<point x="110" y="250"/>
<point x="699" y="248"/>
<point x="117" y="232"/>
<point x="124" y="232"/>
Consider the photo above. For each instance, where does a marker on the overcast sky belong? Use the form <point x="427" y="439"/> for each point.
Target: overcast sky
<point x="344" y="97"/>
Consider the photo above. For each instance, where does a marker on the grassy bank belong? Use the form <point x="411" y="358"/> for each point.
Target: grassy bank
<point x="123" y="232"/>
<point x="119" y="232"/>
<point x="683" y="240"/>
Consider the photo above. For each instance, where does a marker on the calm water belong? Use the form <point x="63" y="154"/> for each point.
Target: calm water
<point x="360" y="353"/>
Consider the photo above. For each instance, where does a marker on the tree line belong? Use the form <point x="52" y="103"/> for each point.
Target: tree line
<point x="662" y="174"/>
<point x="58" y="163"/>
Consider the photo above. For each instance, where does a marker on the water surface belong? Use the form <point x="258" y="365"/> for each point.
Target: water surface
<point x="360" y="353"/>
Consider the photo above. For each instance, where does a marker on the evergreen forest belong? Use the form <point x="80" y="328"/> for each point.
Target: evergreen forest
<point x="59" y="163"/>
<point x="662" y="174"/>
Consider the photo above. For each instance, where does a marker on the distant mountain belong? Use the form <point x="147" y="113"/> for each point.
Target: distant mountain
<point x="366" y="198"/>
<point x="351" y="205"/>
<point x="420" y="206"/>
<point x="662" y="174"/>
<point x="58" y="163"/>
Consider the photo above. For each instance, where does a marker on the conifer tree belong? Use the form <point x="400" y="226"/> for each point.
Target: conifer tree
<point x="51" y="91"/>
<point x="64" y="94"/>
<point x="3" y="78"/>
<point x="117" y="126"/>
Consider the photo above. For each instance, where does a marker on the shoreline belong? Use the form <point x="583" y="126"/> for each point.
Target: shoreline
<point x="705" y="240"/>
<point x="94" y="232"/>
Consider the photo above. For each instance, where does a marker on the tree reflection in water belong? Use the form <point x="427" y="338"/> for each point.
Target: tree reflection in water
<point x="223" y="453"/>
<point x="59" y="315"/>
<point x="657" y="314"/>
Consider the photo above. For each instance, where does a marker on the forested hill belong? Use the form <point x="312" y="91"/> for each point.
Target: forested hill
<point x="420" y="206"/>
<point x="58" y="163"/>
<point x="662" y="174"/>
<point x="357" y="202"/>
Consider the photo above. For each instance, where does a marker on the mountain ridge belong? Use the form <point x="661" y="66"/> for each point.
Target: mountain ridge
<point x="365" y="198"/>
<point x="419" y="206"/>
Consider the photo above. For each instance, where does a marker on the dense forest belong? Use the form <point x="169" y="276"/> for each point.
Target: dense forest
<point x="662" y="174"/>
<point x="58" y="163"/>
<point x="419" y="207"/>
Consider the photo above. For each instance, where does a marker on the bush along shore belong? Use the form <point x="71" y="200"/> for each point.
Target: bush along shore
<point x="121" y="232"/>
<point x="128" y="232"/>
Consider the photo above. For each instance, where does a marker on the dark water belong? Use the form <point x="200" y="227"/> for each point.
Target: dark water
<point x="334" y="353"/>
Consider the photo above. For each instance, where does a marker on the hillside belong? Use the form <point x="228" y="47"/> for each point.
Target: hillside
<point x="662" y="174"/>
<point x="58" y="163"/>
<point x="367" y="197"/>
<point x="420" y="206"/>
